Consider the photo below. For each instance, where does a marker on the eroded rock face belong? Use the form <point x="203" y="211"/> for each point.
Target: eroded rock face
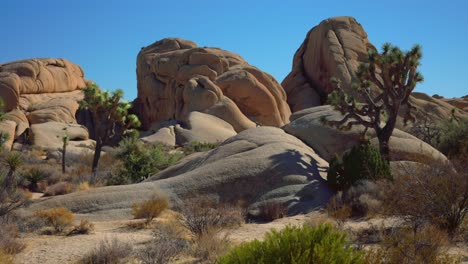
<point x="41" y="91"/>
<point x="328" y="141"/>
<point x="259" y="164"/>
<point x="334" y="48"/>
<point x="176" y="77"/>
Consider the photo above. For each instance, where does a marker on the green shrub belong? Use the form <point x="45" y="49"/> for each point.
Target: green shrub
<point x="321" y="244"/>
<point x="363" y="162"/>
<point x="454" y="138"/>
<point x="141" y="161"/>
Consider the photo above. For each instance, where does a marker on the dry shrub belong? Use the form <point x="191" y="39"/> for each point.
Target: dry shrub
<point x="84" y="227"/>
<point x="208" y="246"/>
<point x="405" y="245"/>
<point x="337" y="209"/>
<point x="59" y="218"/>
<point x="436" y="194"/>
<point x="83" y="186"/>
<point x="200" y="215"/>
<point x="272" y="210"/>
<point x="108" y="252"/>
<point x="317" y="219"/>
<point x="151" y="208"/>
<point x="9" y="243"/>
<point x="60" y="188"/>
<point x="6" y="258"/>
<point x="166" y="244"/>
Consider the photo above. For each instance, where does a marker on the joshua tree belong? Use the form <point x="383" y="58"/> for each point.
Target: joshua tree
<point x="65" y="140"/>
<point x="110" y="116"/>
<point x="383" y="85"/>
<point x="12" y="161"/>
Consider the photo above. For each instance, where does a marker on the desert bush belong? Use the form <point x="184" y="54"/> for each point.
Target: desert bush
<point x="6" y="258"/>
<point x="108" y="252"/>
<point x="210" y="245"/>
<point x="166" y="244"/>
<point x="11" y="200"/>
<point x="338" y="209"/>
<point x="59" y="188"/>
<point x="436" y="194"/>
<point x="84" y="227"/>
<point x="454" y="138"/>
<point x="142" y="160"/>
<point x="196" y="146"/>
<point x="200" y="215"/>
<point x="33" y="176"/>
<point x="406" y="245"/>
<point x="151" y="208"/>
<point x="363" y="162"/>
<point x="59" y="218"/>
<point x="321" y="244"/>
<point x="9" y="243"/>
<point x="272" y="210"/>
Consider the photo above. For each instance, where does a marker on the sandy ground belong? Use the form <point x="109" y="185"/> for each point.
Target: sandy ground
<point x="68" y="249"/>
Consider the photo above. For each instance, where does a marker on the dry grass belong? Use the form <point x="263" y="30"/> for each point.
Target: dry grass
<point x="9" y="243"/>
<point x="208" y="246"/>
<point x="200" y="215"/>
<point x="108" y="252"/>
<point x="84" y="227"/>
<point x="6" y="258"/>
<point x="59" y="218"/>
<point x="151" y="208"/>
<point x="167" y="243"/>
<point x="272" y="210"/>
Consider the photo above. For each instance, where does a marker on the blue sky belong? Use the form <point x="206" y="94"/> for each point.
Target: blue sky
<point x="104" y="37"/>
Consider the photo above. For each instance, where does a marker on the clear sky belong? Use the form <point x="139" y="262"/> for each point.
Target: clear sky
<point x="104" y="37"/>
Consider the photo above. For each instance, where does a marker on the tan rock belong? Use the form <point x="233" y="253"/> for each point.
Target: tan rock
<point x="334" y="48"/>
<point x="165" y="135"/>
<point x="36" y="76"/>
<point x="49" y="135"/>
<point x="329" y="141"/>
<point x="460" y="103"/>
<point x="20" y="119"/>
<point x="260" y="164"/>
<point x="175" y="77"/>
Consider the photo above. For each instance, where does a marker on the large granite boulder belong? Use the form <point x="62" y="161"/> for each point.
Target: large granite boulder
<point x="328" y="141"/>
<point x="256" y="165"/>
<point x="176" y="77"/>
<point x="41" y="91"/>
<point x="335" y="48"/>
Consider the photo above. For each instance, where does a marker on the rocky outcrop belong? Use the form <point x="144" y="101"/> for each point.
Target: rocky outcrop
<point x="334" y="48"/>
<point x="460" y="103"/>
<point x="41" y="91"/>
<point x="176" y="77"/>
<point x="257" y="165"/>
<point x="327" y="141"/>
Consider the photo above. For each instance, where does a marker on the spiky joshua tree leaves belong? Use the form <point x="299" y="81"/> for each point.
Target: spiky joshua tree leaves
<point x="110" y="116"/>
<point x="383" y="86"/>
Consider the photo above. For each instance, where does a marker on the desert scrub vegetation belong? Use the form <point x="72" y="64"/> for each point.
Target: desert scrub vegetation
<point x="199" y="215"/>
<point x="167" y="243"/>
<point x="453" y="140"/>
<point x="271" y="210"/>
<point x="6" y="258"/>
<point x="151" y="208"/>
<point x="362" y="162"/>
<point x="109" y="252"/>
<point x="84" y="227"/>
<point x="141" y="160"/>
<point x="435" y="194"/>
<point x="9" y="243"/>
<point x="195" y="146"/>
<point x="306" y="244"/>
<point x="59" y="218"/>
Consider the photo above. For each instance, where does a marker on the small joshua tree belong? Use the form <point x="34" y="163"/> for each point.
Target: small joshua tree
<point x="110" y="116"/>
<point x="65" y="140"/>
<point x="384" y="84"/>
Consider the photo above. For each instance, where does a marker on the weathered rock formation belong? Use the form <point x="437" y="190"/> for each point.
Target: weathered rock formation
<point x="41" y="96"/>
<point x="257" y="165"/>
<point x="328" y="141"/>
<point x="335" y="48"/>
<point x="176" y="77"/>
